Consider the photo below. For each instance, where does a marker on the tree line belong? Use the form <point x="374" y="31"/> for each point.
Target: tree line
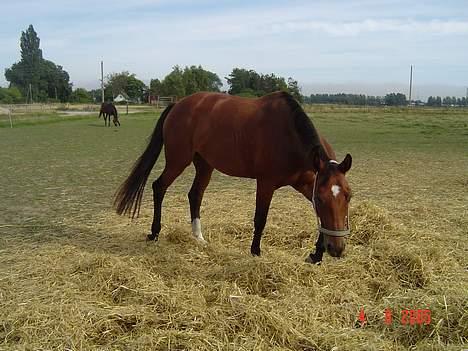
<point x="392" y="99"/>
<point x="34" y="78"/>
<point x="446" y="101"/>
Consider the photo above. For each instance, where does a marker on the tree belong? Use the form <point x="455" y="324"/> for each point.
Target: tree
<point x="197" y="79"/>
<point x="181" y="82"/>
<point x="10" y="95"/>
<point x="447" y="101"/>
<point x="54" y="82"/>
<point x="136" y="89"/>
<point x="155" y="87"/>
<point x="245" y="82"/>
<point x="125" y="82"/>
<point x="397" y="99"/>
<point x="241" y="79"/>
<point x="173" y="83"/>
<point x="270" y="83"/>
<point x="29" y="43"/>
<point x="95" y="95"/>
<point x="81" y="96"/>
<point x="46" y="79"/>
<point x="294" y="90"/>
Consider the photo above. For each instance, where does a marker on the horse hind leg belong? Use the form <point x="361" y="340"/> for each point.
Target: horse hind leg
<point x="160" y="186"/>
<point x="195" y="195"/>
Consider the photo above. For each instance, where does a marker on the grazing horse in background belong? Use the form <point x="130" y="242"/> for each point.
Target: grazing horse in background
<point x="269" y="139"/>
<point x="108" y="109"/>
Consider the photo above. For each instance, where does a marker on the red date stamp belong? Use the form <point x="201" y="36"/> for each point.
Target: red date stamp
<point x="407" y="317"/>
<point x="416" y="317"/>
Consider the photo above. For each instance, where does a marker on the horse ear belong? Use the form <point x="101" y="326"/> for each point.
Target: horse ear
<point x="346" y="164"/>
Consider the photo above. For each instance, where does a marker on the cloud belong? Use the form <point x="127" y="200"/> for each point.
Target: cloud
<point x="322" y="40"/>
<point x="375" y="26"/>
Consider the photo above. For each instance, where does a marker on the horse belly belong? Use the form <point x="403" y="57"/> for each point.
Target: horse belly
<point x="225" y="158"/>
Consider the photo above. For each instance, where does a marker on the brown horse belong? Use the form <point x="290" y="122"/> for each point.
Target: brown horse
<point x="108" y="109"/>
<point x="269" y="139"/>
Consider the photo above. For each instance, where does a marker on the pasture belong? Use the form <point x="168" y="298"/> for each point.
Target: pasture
<point x="75" y="276"/>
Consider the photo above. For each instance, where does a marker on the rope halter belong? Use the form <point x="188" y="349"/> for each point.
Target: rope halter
<point x="330" y="232"/>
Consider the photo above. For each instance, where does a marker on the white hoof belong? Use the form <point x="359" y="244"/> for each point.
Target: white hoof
<point x="196" y="231"/>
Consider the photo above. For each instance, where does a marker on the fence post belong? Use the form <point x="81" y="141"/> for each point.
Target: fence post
<point x="9" y="116"/>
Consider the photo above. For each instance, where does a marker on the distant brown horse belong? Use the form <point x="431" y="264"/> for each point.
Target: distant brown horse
<point x="108" y="109"/>
<point x="269" y="139"/>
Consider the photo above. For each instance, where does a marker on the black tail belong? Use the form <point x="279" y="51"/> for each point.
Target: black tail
<point x="128" y="197"/>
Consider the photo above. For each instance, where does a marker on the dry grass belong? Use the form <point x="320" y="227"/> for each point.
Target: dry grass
<point x="120" y="292"/>
<point x="84" y="279"/>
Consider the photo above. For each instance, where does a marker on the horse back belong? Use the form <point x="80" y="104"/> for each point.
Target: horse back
<point x="254" y="138"/>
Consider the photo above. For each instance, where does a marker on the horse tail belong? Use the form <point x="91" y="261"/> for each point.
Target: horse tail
<point x="129" y="195"/>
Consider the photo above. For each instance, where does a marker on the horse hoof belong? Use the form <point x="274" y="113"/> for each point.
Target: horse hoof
<point x="151" y="237"/>
<point x="313" y="260"/>
<point x="202" y="241"/>
<point x="255" y="252"/>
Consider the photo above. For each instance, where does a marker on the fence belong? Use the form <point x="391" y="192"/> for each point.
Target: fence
<point x="24" y="108"/>
<point x="162" y="101"/>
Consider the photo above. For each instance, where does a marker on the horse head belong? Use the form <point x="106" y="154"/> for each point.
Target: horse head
<point x="331" y="195"/>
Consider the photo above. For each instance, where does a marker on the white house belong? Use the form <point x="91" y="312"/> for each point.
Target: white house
<point x="121" y="98"/>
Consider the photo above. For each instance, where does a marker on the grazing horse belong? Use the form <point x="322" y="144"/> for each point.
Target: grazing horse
<point x="108" y="109"/>
<point x="269" y="139"/>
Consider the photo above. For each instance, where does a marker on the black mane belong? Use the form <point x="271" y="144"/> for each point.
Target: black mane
<point x="304" y="126"/>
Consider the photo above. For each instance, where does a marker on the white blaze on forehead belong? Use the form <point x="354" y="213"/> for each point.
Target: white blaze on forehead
<point x="335" y="189"/>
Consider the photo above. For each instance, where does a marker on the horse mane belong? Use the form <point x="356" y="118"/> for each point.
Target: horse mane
<point x="304" y="127"/>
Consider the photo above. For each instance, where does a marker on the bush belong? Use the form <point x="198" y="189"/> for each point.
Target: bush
<point x="10" y="95"/>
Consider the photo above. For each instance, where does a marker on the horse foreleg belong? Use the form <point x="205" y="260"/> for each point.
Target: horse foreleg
<point x="319" y="250"/>
<point x="263" y="200"/>
<point x="195" y="195"/>
<point x="307" y="190"/>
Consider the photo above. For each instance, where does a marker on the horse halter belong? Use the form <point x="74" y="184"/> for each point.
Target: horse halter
<point x="330" y="232"/>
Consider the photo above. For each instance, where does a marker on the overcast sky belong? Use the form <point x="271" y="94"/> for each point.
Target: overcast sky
<point x="328" y="46"/>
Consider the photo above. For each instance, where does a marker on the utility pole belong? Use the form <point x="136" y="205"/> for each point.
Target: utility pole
<point x="30" y="93"/>
<point x="102" y="81"/>
<point x="410" y="83"/>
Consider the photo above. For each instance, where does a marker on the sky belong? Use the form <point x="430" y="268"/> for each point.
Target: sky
<point x="328" y="46"/>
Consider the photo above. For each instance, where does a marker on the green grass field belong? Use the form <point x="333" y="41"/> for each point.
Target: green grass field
<point x="74" y="275"/>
